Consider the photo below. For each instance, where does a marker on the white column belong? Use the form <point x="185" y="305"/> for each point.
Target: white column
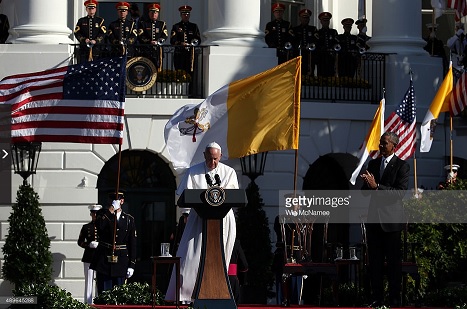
<point x="39" y="21"/>
<point x="396" y="27"/>
<point x="234" y="23"/>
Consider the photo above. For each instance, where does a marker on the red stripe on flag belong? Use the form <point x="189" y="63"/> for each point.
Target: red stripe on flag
<point x="70" y="110"/>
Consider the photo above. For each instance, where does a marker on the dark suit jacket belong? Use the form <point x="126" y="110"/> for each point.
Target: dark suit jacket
<point x="87" y="234"/>
<point x="386" y="203"/>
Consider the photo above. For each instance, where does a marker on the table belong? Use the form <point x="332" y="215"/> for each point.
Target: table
<point x="166" y="260"/>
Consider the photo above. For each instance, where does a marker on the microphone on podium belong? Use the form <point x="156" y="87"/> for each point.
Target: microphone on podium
<point x="218" y="180"/>
<point x="208" y="179"/>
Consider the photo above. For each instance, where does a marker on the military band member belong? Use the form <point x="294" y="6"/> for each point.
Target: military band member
<point x="348" y="54"/>
<point x="362" y="36"/>
<point x="90" y="32"/>
<point x="279" y="34"/>
<point x="305" y="42"/>
<point x="122" y="32"/>
<point x="88" y="240"/>
<point x="185" y="33"/>
<point x="327" y="46"/>
<point x="4" y="28"/>
<point x="115" y="258"/>
<point x="153" y="33"/>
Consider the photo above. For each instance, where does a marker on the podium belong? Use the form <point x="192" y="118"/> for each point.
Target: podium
<point x="212" y="289"/>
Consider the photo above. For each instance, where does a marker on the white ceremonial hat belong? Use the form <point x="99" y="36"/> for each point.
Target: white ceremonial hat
<point x="455" y="167"/>
<point x="94" y="207"/>
<point x="214" y="145"/>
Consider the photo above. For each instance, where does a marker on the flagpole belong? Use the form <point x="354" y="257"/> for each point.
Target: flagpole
<point x="450" y="144"/>
<point x="295" y="171"/>
<point x="432" y="29"/>
<point x="114" y="258"/>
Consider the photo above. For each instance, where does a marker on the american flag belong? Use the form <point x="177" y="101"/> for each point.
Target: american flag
<point x="458" y="99"/>
<point x="402" y="122"/>
<point x="459" y="5"/>
<point x="82" y="103"/>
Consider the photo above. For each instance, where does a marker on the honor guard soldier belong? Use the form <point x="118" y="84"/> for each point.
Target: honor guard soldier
<point x="434" y="46"/>
<point x="327" y="46"/>
<point x="305" y="42"/>
<point x="185" y="33"/>
<point x="115" y="258"/>
<point x="348" y="54"/>
<point x="362" y="36"/>
<point x="153" y="33"/>
<point x="90" y="32"/>
<point x="88" y="240"/>
<point x="279" y="34"/>
<point x="122" y="32"/>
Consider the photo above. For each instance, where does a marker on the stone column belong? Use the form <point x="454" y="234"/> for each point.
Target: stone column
<point x="396" y="27"/>
<point x="39" y="21"/>
<point x="235" y="23"/>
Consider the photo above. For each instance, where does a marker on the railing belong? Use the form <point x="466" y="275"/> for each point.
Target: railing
<point x="330" y="76"/>
<point x="151" y="70"/>
<point x="341" y="76"/>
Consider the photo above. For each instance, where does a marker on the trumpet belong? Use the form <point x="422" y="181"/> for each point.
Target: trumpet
<point x="194" y="42"/>
<point x="311" y="46"/>
<point x="288" y="46"/>
<point x="89" y="44"/>
<point x="337" y="47"/>
<point x="361" y="49"/>
<point x="160" y="41"/>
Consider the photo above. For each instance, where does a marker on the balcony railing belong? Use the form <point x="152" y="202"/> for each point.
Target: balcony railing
<point x="360" y="78"/>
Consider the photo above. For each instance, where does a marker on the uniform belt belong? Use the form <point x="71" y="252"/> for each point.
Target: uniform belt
<point x="109" y="246"/>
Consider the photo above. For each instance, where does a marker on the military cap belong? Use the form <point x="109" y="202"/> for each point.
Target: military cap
<point x="278" y="7"/>
<point x="94" y="207"/>
<point x="432" y="26"/>
<point x="455" y="167"/>
<point x="122" y="6"/>
<point x="305" y="12"/>
<point x="347" y="22"/>
<point x="90" y="3"/>
<point x="185" y="9"/>
<point x="361" y="21"/>
<point x="120" y="194"/>
<point x="325" y="16"/>
<point x="154" y="7"/>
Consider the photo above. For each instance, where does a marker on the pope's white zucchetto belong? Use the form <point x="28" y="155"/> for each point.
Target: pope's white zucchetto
<point x="214" y="145"/>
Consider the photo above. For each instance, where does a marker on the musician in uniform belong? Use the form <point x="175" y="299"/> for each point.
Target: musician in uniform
<point x="348" y="54"/>
<point x="90" y="32"/>
<point x="434" y="46"/>
<point x="362" y="36"/>
<point x="185" y="35"/>
<point x="152" y="33"/>
<point x="115" y="258"/>
<point x="88" y="240"/>
<point x="327" y="46"/>
<point x="4" y="27"/>
<point x="305" y="42"/>
<point x="278" y="34"/>
<point x="122" y="32"/>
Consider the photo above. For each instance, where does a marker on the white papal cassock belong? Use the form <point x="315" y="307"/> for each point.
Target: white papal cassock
<point x="189" y="250"/>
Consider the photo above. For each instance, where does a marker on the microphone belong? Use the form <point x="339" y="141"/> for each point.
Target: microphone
<point x="208" y="179"/>
<point x="218" y="179"/>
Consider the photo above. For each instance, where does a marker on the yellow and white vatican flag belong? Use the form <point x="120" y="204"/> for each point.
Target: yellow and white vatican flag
<point x="440" y="104"/>
<point x="371" y="142"/>
<point x="252" y="115"/>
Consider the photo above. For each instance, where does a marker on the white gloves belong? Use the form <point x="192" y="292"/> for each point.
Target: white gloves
<point x="129" y="272"/>
<point x="116" y="204"/>
<point x="93" y="244"/>
<point x="459" y="32"/>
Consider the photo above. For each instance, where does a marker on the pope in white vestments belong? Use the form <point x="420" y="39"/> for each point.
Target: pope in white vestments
<point x="189" y="249"/>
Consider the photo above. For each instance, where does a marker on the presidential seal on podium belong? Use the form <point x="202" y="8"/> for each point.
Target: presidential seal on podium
<point x="141" y="74"/>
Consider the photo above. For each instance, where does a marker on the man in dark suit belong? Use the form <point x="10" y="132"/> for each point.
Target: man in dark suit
<point x="386" y="179"/>
<point x="115" y="258"/>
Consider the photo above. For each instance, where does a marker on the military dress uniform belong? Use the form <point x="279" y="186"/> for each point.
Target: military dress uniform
<point x="152" y="31"/>
<point x="92" y="28"/>
<point x="4" y="27"/>
<point x="278" y="33"/>
<point x="125" y="248"/>
<point x="348" y="55"/>
<point x="122" y="34"/>
<point x="306" y="46"/>
<point x="184" y="34"/>
<point x="326" y="44"/>
<point x="87" y="235"/>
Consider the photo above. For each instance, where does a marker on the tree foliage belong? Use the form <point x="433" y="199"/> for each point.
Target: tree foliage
<point x="27" y="258"/>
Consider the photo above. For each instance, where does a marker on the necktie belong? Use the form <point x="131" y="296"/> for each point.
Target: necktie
<point x="382" y="167"/>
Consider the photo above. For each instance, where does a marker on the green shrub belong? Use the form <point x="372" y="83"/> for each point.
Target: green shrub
<point x="48" y="296"/>
<point x="129" y="294"/>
